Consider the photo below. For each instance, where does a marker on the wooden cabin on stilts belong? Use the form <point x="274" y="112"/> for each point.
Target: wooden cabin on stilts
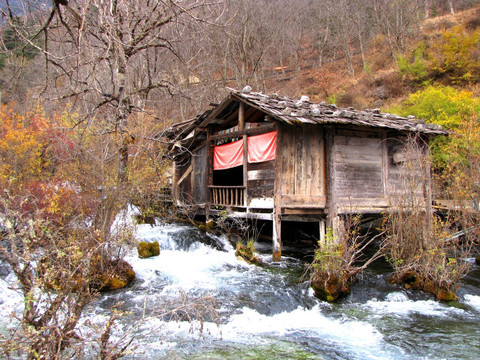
<point x="276" y="159"/>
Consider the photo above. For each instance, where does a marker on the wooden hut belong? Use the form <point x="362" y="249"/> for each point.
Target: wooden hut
<point x="273" y="158"/>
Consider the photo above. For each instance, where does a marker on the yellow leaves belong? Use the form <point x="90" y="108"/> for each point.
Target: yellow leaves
<point x="453" y="53"/>
<point x="22" y="144"/>
<point x="452" y="56"/>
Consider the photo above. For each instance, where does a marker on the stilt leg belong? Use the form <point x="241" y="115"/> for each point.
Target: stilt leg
<point x="322" y="230"/>
<point x="276" y="238"/>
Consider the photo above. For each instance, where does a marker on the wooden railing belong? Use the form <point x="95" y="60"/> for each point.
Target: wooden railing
<point x="227" y="195"/>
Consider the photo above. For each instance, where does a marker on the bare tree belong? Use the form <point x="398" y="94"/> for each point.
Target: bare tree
<point x="248" y="32"/>
<point x="111" y="60"/>
<point x="395" y="19"/>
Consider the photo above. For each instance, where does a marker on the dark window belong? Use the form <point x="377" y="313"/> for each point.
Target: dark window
<point x="228" y="177"/>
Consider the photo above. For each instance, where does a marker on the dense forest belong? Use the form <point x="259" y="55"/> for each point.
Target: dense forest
<point x="178" y="63"/>
<point x="87" y="88"/>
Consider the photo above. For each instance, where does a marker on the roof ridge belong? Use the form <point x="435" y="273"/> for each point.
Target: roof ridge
<point x="298" y="111"/>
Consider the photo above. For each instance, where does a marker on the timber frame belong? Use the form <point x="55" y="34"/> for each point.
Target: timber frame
<point x="329" y="161"/>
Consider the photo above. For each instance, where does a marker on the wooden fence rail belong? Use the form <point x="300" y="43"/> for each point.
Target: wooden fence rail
<point x="228" y="195"/>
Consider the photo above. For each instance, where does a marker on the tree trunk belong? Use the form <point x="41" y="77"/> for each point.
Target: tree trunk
<point x="427" y="8"/>
<point x="450" y="4"/>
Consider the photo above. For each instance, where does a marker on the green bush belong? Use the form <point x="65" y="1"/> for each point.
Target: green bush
<point x="414" y="66"/>
<point x="451" y="57"/>
<point x="445" y="106"/>
<point x="441" y="105"/>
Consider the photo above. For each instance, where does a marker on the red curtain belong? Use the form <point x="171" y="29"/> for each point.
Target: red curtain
<point x="260" y="148"/>
<point x="228" y="156"/>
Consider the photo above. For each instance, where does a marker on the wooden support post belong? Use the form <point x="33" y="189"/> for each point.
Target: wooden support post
<point x="175" y="190"/>
<point x="245" y="168"/>
<point x="332" y="218"/>
<point x="192" y="177"/>
<point x="241" y="127"/>
<point x="385" y="165"/>
<point x="277" y="206"/>
<point x="427" y="189"/>
<point x="241" y="116"/>
<point x="208" y="174"/>
<point x="322" y="230"/>
<point x="338" y="228"/>
<point x="277" y="236"/>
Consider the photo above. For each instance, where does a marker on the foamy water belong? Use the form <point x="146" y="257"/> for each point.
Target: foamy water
<point x="268" y="310"/>
<point x="398" y="303"/>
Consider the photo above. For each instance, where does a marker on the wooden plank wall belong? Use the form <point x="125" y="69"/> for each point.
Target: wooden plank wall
<point x="302" y="167"/>
<point x="185" y="187"/>
<point x="199" y="179"/>
<point x="261" y="178"/>
<point x="405" y="178"/>
<point x="359" y="167"/>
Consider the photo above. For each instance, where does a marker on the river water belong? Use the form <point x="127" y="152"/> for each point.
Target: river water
<point x="269" y="312"/>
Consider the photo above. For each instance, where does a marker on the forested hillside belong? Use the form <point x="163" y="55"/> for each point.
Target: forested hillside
<point x="353" y="52"/>
<point x="113" y="75"/>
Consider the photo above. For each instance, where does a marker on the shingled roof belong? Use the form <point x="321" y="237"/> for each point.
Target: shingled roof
<point x="303" y="111"/>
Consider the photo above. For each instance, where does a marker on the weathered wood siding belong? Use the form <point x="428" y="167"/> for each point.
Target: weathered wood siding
<point x="184" y="184"/>
<point x="199" y="179"/>
<point x="406" y="177"/>
<point x="301" y="156"/>
<point x="261" y="178"/>
<point x="359" y="168"/>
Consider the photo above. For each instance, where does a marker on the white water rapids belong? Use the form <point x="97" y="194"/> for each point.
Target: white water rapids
<point x="269" y="313"/>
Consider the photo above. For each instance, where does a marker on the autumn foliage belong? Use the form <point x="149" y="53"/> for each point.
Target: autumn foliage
<point x="59" y="194"/>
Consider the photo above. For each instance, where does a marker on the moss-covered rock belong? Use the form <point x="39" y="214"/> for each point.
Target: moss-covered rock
<point x="247" y="253"/>
<point x="145" y="219"/>
<point x="112" y="275"/>
<point x="209" y="225"/>
<point x="413" y="280"/>
<point x="148" y="249"/>
<point x="102" y="274"/>
<point x="329" y="287"/>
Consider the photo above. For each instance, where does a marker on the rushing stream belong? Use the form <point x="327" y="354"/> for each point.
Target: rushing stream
<point x="269" y="313"/>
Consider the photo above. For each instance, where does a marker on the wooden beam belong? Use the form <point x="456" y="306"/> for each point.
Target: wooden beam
<point x="208" y="174"/>
<point x="175" y="186"/>
<point x="245" y="169"/>
<point x="322" y="230"/>
<point x="277" y="222"/>
<point x="330" y="173"/>
<point x="428" y="187"/>
<point x="233" y="117"/>
<point x="277" y="235"/>
<point x="241" y="116"/>
<point x="385" y="163"/>
<point x="192" y="178"/>
<point x="185" y="174"/>
<point x="217" y="110"/>
<point x="241" y="127"/>
<point x="252" y="131"/>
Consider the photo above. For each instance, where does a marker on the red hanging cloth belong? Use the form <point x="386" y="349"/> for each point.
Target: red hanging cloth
<point x="262" y="147"/>
<point x="228" y="156"/>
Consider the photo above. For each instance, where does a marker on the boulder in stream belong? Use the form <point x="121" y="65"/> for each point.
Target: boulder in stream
<point x="330" y="287"/>
<point x="247" y="253"/>
<point x="112" y="275"/>
<point x="413" y="280"/>
<point x="148" y="249"/>
<point x="102" y="274"/>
